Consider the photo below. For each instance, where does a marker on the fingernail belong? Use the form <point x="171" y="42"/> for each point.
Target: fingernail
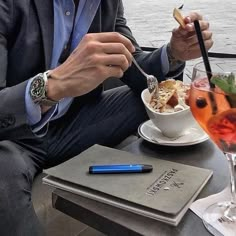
<point x="188" y="19"/>
<point x="190" y="26"/>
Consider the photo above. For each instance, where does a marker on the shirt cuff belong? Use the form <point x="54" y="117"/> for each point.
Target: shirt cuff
<point x="33" y="111"/>
<point x="62" y="108"/>
<point x="170" y="69"/>
<point x="164" y="60"/>
<point x="44" y="120"/>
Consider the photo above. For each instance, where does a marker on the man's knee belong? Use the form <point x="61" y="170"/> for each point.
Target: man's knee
<point x="15" y="177"/>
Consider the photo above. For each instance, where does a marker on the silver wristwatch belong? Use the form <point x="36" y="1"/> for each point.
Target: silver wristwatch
<point x="38" y="90"/>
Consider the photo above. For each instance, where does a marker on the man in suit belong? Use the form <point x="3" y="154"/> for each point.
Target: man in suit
<point x="54" y="57"/>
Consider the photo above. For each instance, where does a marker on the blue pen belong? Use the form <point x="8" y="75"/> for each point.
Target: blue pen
<point x="120" y="168"/>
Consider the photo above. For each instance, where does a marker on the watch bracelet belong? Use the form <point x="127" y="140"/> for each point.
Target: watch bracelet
<point x="38" y="90"/>
<point x="47" y="101"/>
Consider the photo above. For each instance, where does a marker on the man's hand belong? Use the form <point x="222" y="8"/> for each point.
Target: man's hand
<point x="184" y="43"/>
<point x="97" y="57"/>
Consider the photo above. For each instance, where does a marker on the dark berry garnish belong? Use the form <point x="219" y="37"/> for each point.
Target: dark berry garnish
<point x="201" y="102"/>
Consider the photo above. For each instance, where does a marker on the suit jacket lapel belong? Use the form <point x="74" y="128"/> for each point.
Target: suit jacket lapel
<point x="46" y="20"/>
<point x="96" y="23"/>
<point x="100" y="22"/>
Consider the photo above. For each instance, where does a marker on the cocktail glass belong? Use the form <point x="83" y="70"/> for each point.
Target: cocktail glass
<point x="213" y="105"/>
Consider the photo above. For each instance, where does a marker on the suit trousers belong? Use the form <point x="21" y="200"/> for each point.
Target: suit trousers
<point x="106" y="120"/>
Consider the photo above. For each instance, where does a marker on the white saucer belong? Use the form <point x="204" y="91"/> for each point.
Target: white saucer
<point x="152" y="134"/>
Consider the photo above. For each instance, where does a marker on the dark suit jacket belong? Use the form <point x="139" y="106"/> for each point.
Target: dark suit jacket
<point x="26" y="39"/>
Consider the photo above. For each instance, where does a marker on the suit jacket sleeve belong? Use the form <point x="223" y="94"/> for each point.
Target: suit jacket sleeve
<point x="13" y="121"/>
<point x="150" y="62"/>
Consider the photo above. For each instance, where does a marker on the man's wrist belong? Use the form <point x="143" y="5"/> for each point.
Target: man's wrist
<point x="39" y="90"/>
<point x="171" y="58"/>
<point x="53" y="89"/>
<point x="174" y="63"/>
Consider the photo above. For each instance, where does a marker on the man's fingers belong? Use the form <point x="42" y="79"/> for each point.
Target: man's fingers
<point x="189" y="30"/>
<point x="204" y="25"/>
<point x="111" y="37"/>
<point x="196" y="48"/>
<point x="119" y="60"/>
<point x="195" y="16"/>
<point x="117" y="48"/>
<point x="179" y="32"/>
<point x="114" y="71"/>
<point x="206" y="35"/>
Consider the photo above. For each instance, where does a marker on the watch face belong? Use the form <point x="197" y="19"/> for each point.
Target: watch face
<point x="37" y="88"/>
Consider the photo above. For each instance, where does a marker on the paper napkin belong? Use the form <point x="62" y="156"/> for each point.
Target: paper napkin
<point x="199" y="206"/>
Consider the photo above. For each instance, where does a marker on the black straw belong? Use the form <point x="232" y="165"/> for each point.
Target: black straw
<point x="204" y="52"/>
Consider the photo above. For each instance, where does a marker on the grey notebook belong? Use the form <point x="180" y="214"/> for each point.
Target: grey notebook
<point x="163" y="194"/>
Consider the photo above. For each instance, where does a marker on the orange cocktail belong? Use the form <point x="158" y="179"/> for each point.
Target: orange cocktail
<point x="212" y="101"/>
<point x="215" y="111"/>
